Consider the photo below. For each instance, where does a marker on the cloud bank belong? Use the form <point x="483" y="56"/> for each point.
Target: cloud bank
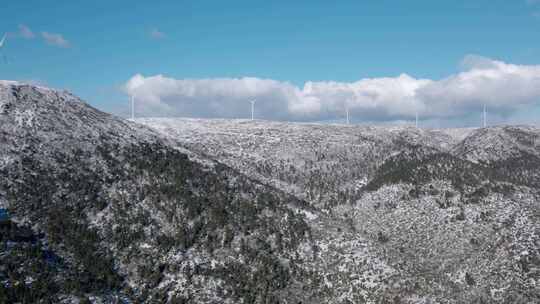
<point x="504" y="88"/>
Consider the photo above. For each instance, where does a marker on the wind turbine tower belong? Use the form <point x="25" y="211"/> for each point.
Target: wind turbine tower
<point x="485" y="116"/>
<point x="347" y="113"/>
<point x="252" y="109"/>
<point x="132" y="107"/>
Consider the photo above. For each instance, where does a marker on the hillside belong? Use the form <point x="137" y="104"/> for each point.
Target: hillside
<point x="106" y="210"/>
<point x="320" y="163"/>
<point x="416" y="216"/>
<point x="114" y="212"/>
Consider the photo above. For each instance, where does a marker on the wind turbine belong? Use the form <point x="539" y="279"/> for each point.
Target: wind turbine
<point x="485" y="116"/>
<point x="347" y="112"/>
<point x="132" y="107"/>
<point x="2" y="42"/>
<point x="252" y="108"/>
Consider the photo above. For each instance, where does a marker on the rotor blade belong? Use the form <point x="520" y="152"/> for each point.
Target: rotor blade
<point x="3" y="40"/>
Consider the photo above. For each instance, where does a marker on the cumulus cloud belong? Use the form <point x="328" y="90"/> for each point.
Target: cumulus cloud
<point x="504" y="88"/>
<point x="157" y="34"/>
<point x="55" y="39"/>
<point x="219" y="97"/>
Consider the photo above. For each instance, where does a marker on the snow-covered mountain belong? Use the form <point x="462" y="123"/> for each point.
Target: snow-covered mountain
<point x="415" y="216"/>
<point x="320" y="163"/>
<point x="499" y="143"/>
<point x="326" y="164"/>
<point x="107" y="210"/>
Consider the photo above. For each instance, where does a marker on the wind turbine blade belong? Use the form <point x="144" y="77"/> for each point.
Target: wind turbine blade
<point x="3" y="40"/>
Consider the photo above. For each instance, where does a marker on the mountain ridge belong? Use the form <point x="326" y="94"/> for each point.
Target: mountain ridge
<point x="105" y="193"/>
<point x="407" y="198"/>
<point x="199" y="211"/>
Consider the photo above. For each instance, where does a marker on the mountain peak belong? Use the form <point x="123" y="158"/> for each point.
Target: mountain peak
<point x="59" y="115"/>
<point x="6" y="84"/>
<point x="14" y="94"/>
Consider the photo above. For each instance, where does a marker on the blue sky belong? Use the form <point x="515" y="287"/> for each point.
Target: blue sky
<point x="106" y="43"/>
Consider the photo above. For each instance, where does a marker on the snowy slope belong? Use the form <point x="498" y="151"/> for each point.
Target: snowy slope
<point x="414" y="216"/>
<point x="130" y="216"/>
<point x="499" y="143"/>
<point x="236" y="211"/>
<point x="313" y="161"/>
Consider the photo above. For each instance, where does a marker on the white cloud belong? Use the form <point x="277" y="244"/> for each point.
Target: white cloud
<point x="25" y="32"/>
<point x="55" y="39"/>
<point x="156" y="34"/>
<point x="219" y="97"/>
<point x="504" y="88"/>
<point x="369" y="98"/>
